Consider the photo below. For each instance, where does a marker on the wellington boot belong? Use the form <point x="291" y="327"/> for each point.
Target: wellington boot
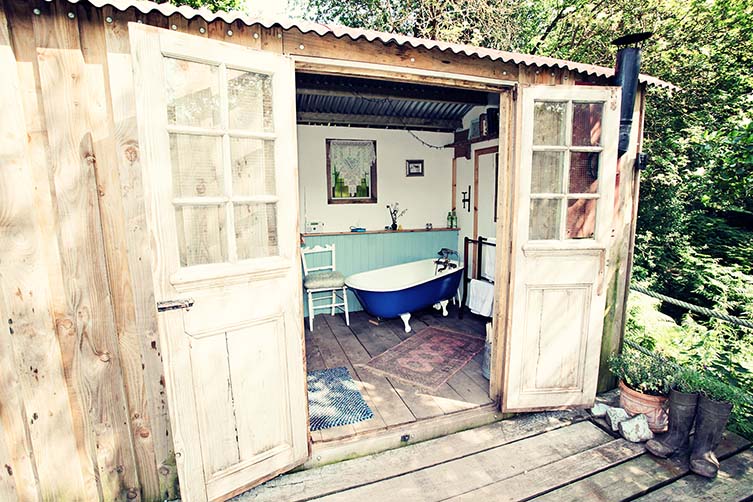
<point x="682" y="411"/>
<point x="710" y="422"/>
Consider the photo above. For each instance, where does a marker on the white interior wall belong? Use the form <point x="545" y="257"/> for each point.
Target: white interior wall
<point x="427" y="198"/>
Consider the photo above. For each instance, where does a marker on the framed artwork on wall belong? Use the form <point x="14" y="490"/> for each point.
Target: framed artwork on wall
<point x="414" y="167"/>
<point x="351" y="171"/>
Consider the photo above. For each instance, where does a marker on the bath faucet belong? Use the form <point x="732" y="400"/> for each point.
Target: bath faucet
<point x="443" y="262"/>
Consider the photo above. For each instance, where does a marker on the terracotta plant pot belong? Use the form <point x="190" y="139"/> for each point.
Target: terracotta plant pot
<point x="654" y="407"/>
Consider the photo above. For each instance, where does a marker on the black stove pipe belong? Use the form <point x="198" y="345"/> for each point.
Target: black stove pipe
<point x="627" y="69"/>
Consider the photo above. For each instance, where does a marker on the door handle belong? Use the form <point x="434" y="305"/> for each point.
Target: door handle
<point x="181" y="303"/>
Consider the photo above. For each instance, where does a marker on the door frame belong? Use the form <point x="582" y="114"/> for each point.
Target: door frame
<point x="508" y="113"/>
<point x="489" y="150"/>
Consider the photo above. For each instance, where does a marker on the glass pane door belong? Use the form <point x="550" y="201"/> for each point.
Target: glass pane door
<point x="566" y="152"/>
<point x="222" y="150"/>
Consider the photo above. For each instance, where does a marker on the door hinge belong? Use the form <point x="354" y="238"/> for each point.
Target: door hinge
<point x="183" y="303"/>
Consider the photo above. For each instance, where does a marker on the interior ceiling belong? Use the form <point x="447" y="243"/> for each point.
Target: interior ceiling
<point x="359" y="102"/>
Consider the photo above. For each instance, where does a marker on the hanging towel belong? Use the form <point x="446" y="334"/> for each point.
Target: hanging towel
<point x="481" y="297"/>
<point x="489" y="260"/>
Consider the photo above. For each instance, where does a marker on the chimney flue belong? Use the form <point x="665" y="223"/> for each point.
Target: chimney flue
<point x="627" y="69"/>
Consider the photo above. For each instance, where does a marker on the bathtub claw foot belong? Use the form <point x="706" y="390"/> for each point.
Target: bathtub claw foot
<point x="406" y="319"/>
<point x="443" y="305"/>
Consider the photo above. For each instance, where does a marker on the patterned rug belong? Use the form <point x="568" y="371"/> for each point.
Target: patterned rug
<point x="334" y="399"/>
<point x="427" y="359"/>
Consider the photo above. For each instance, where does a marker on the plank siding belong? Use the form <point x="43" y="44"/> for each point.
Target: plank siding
<point x="91" y="354"/>
<point x="31" y="286"/>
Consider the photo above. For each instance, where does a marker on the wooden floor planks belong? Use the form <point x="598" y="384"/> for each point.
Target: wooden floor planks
<point x="337" y="477"/>
<point x="540" y="457"/>
<point x="481" y="469"/>
<point x="635" y="477"/>
<point x="393" y="402"/>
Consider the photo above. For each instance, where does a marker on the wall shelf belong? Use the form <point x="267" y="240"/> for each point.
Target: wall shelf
<point x="371" y="232"/>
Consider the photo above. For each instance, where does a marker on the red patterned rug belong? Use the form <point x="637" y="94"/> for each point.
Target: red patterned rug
<point x="427" y="359"/>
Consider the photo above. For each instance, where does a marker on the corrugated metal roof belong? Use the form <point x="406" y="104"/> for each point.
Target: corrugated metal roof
<point x="167" y="9"/>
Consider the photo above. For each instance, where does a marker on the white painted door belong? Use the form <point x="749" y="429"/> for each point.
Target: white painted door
<point x="565" y="185"/>
<point x="218" y="149"/>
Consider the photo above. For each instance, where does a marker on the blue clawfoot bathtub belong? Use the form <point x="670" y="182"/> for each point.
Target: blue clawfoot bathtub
<point x="401" y="289"/>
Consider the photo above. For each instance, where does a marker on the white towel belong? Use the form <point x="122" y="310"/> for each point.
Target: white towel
<point x="481" y="297"/>
<point x="489" y="260"/>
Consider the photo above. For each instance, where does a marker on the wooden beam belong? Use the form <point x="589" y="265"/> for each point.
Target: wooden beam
<point x="326" y="66"/>
<point x="379" y="120"/>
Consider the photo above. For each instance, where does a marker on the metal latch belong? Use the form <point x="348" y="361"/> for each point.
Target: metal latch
<point x="183" y="303"/>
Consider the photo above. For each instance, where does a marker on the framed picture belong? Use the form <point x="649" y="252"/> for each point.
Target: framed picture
<point x="351" y="171"/>
<point x="414" y="167"/>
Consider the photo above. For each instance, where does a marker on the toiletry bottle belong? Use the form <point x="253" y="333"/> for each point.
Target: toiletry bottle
<point x="454" y="219"/>
<point x="449" y="219"/>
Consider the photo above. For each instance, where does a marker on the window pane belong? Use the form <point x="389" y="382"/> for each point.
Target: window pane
<point x="201" y="234"/>
<point x="197" y="165"/>
<point x="546" y="172"/>
<point x="549" y="123"/>
<point x="584" y="172"/>
<point x="249" y="100"/>
<point x="253" y="163"/>
<point x="587" y="124"/>
<point x="545" y="219"/>
<point x="581" y="218"/>
<point x="193" y="93"/>
<point x="256" y="230"/>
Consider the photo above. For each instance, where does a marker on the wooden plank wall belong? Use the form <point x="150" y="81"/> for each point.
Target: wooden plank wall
<point x="80" y="365"/>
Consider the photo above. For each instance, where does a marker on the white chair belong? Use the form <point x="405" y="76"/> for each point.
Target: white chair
<point x="324" y="279"/>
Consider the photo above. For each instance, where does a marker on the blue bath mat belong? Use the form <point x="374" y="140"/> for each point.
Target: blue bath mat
<point x="334" y="399"/>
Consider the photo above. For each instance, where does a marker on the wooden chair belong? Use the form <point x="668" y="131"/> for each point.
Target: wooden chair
<point x="324" y="279"/>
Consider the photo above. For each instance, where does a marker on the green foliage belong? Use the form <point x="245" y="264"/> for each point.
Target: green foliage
<point x="213" y="5"/>
<point x="719" y="366"/>
<point x="650" y="375"/>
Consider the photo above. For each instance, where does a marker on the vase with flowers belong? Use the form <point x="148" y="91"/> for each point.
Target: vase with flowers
<point x="395" y="213"/>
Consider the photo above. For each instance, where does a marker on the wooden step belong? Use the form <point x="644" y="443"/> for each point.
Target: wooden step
<point x="333" y="478"/>
<point x="483" y="468"/>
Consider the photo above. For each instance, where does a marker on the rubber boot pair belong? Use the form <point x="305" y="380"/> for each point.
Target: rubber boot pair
<point x="710" y="421"/>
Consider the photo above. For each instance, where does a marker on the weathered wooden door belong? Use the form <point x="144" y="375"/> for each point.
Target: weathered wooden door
<point x="567" y="148"/>
<point x="218" y="148"/>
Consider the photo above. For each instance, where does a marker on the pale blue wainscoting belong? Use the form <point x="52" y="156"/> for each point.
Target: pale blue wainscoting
<point x="359" y="252"/>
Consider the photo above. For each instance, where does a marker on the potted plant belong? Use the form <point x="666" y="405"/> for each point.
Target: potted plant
<point x="644" y="386"/>
<point x="706" y="400"/>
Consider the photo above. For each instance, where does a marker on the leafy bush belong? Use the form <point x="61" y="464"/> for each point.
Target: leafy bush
<point x="719" y="365"/>
<point x="650" y="375"/>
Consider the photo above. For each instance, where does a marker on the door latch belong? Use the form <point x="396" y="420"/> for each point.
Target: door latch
<point x="183" y="303"/>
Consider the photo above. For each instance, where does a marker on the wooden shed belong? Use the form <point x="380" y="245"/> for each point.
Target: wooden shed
<point x="157" y="156"/>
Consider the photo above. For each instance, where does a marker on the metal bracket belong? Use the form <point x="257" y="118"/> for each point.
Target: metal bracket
<point x="466" y="200"/>
<point x="182" y="303"/>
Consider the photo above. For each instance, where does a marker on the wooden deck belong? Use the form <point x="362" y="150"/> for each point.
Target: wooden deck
<point x="556" y="456"/>
<point x="394" y="403"/>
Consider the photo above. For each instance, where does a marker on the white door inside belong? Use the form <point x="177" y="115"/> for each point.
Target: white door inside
<point x="217" y="138"/>
<point x="565" y="187"/>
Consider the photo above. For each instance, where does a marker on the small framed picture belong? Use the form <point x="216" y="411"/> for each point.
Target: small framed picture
<point x="414" y="167"/>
